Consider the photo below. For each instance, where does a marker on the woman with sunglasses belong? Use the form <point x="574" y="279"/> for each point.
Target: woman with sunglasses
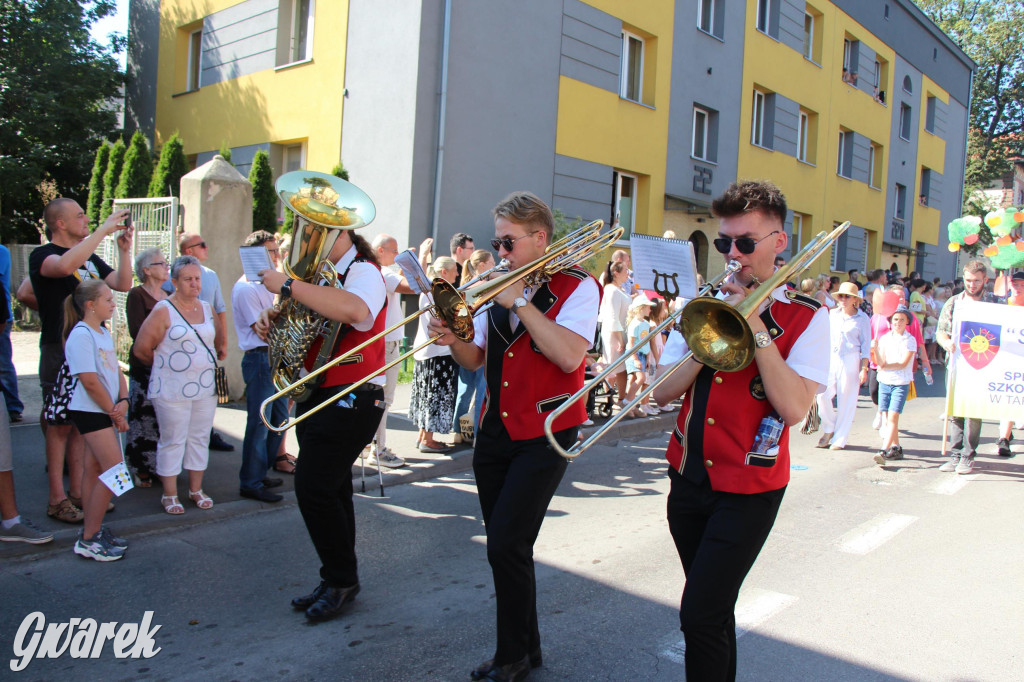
<point x="850" y="350"/>
<point x="612" y="321"/>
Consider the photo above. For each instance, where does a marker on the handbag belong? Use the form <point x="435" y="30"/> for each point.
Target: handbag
<point x="812" y="422"/>
<point x="911" y="391"/>
<point x="56" y="401"/>
<point x="220" y="377"/>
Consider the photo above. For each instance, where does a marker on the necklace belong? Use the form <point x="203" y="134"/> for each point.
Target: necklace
<point x="195" y="306"/>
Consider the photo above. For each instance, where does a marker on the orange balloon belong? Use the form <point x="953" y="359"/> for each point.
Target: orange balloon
<point x="971" y="239"/>
<point x="991" y="251"/>
<point x="1019" y="245"/>
<point x="1019" y="216"/>
<point x="954" y="247"/>
<point x="1005" y="240"/>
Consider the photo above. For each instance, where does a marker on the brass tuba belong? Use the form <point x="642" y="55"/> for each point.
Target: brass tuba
<point x="323" y="204"/>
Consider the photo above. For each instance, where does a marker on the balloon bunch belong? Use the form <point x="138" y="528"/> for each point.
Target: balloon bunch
<point x="1005" y="252"/>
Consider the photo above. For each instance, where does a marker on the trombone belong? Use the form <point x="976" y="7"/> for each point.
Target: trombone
<point x="717" y="333"/>
<point x="457" y="307"/>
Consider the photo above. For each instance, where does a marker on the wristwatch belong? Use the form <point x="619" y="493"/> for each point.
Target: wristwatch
<point x="519" y="303"/>
<point x="286" y="288"/>
<point x="762" y="339"/>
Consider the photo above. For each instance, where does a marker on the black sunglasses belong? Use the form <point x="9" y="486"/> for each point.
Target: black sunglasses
<point x="201" y="245"/>
<point x="744" y="245"/>
<point x="507" y="242"/>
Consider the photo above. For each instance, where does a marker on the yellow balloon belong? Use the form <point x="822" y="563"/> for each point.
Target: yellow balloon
<point x="954" y="247"/>
<point x="992" y="218"/>
<point x="991" y="251"/>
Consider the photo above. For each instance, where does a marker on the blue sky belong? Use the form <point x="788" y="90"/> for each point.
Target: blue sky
<point x="117" y="23"/>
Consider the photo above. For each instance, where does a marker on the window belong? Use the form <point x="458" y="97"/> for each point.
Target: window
<point x="900" y="209"/>
<point x="631" y="86"/>
<point x="798" y="229"/>
<point x="295" y="31"/>
<point x="908" y="85"/>
<point x="763" y="22"/>
<point x="757" y="122"/>
<point x="847" y="54"/>
<point x="700" y="133"/>
<point x="874" y="165"/>
<point x="809" y="35"/>
<point x="876" y="76"/>
<point x="706" y="15"/>
<point x="926" y="186"/>
<point x="834" y="264"/>
<point x="195" y="59"/>
<point x="844" y="165"/>
<point x="929" y="114"/>
<point x="624" y="206"/>
<point x="905" y="120"/>
<point x="801" y="136"/>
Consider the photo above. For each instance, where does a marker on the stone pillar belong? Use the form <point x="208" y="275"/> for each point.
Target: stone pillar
<point x="216" y="201"/>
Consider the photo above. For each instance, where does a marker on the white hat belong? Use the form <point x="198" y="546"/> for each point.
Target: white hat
<point x="640" y="300"/>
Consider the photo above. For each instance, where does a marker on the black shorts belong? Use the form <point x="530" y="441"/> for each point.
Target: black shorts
<point x="87" y="422"/>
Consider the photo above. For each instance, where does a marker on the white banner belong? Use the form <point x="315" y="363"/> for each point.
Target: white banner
<point x="988" y="367"/>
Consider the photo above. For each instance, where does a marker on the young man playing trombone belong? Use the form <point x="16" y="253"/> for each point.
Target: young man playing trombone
<point x="729" y="453"/>
<point x="533" y="340"/>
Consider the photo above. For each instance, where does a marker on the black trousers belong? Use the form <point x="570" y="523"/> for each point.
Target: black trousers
<point x="329" y="443"/>
<point x="718" y="536"/>
<point x="516" y="481"/>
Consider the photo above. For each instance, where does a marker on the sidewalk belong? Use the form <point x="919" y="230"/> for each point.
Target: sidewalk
<point x="139" y="511"/>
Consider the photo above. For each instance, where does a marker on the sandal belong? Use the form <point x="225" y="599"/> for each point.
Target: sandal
<point x="202" y="500"/>
<point x="171" y="504"/>
<point x="285" y="464"/>
<point x="77" y="501"/>
<point x="141" y="482"/>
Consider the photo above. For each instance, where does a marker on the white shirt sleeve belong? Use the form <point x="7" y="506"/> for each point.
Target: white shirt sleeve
<point x="806" y="357"/>
<point x="366" y="282"/>
<point x="578" y="314"/>
<point x="391" y="279"/>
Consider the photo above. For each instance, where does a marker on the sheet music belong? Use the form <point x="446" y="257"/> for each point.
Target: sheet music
<point x="413" y="271"/>
<point x="255" y="259"/>
<point x="666" y="266"/>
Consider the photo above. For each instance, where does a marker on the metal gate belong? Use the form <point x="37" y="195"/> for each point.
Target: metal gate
<point x="156" y="225"/>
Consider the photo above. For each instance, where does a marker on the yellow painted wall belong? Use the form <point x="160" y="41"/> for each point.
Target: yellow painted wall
<point x="302" y="102"/>
<point x="599" y="126"/>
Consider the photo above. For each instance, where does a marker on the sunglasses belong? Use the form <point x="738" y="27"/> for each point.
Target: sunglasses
<point x="744" y="245"/>
<point x="507" y="242"/>
<point x="201" y="245"/>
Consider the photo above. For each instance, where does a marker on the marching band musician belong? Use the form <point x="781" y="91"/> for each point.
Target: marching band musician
<point x="729" y="453"/>
<point x="532" y="344"/>
<point x="331" y="439"/>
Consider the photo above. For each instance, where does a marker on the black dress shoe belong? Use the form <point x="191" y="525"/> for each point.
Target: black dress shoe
<point x="481" y="671"/>
<point x="15" y="416"/>
<point x="218" y="443"/>
<point x="332" y="602"/>
<point x="511" y="672"/>
<point x="305" y="601"/>
<point x="272" y="482"/>
<point x="261" y="494"/>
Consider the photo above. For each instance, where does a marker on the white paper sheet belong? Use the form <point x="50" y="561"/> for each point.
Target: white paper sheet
<point x="413" y="271"/>
<point x="666" y="266"/>
<point x="255" y="259"/>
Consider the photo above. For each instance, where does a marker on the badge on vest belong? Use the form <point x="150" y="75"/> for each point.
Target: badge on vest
<point x="757" y="388"/>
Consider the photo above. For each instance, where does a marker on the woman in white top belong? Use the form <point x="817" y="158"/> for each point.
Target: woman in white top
<point x="98" y="408"/>
<point x="177" y="339"/>
<point x="850" y="346"/>
<point x="612" y="319"/>
<point x="894" y="352"/>
<point x="434" y="386"/>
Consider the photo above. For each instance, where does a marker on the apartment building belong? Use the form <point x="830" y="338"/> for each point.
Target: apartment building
<point x="611" y="109"/>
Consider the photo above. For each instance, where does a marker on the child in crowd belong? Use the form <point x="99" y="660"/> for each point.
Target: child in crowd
<point x="98" y="408"/>
<point x="894" y="352"/>
<point x="637" y="329"/>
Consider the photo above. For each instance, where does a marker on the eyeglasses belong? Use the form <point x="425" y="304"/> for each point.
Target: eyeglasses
<point x="159" y="262"/>
<point x="201" y="245"/>
<point x="273" y="250"/>
<point x="507" y="242"/>
<point x="744" y="245"/>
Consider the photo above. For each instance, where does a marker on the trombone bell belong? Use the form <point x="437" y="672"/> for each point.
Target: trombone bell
<point x="718" y="334"/>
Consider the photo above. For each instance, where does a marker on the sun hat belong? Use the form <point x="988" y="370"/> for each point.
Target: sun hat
<point x="848" y="289"/>
<point x="640" y="300"/>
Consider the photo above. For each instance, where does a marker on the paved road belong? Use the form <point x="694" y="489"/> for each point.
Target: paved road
<point x="901" y="573"/>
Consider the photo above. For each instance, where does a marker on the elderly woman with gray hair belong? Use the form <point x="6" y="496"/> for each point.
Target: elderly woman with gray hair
<point x="151" y="269"/>
<point x="177" y="340"/>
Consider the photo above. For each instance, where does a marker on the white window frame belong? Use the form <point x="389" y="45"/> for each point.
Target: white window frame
<point x="706" y="14"/>
<point x="763" y="17"/>
<point x="293" y="38"/>
<point x="834" y="262"/>
<point x="798" y="229"/>
<point x="704" y="129"/>
<point x="842" y="154"/>
<point x="906" y="116"/>
<point x="626" y="71"/>
<point x="194" y="75"/>
<point x="878" y="74"/>
<point x="618" y="198"/>
<point x="900" y="206"/>
<point x="809" y="37"/>
<point x="847" y="53"/>
<point x="802" y="131"/>
<point x="872" y="152"/>
<point x="757" y="118"/>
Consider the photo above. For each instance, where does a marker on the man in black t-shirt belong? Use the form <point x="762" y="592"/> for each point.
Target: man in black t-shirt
<point x="56" y="269"/>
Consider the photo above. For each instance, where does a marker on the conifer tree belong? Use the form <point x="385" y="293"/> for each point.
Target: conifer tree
<point x="225" y="151"/>
<point x="99" y="167"/>
<point x="137" y="171"/>
<point x="339" y="171"/>
<point x="264" y="198"/>
<point x="167" y="178"/>
<point x="111" y="177"/>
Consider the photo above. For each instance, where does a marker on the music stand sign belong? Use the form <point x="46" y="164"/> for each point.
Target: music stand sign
<point x="664" y="266"/>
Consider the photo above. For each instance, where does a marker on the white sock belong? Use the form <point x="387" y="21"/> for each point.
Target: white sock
<point x="10" y="523"/>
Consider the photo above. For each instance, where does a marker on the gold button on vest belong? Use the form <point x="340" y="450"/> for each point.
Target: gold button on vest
<point x="510" y="354"/>
<point x="711" y="421"/>
<point x="505" y="384"/>
<point x="718" y="380"/>
<point x="504" y="415"/>
<point x="708" y="462"/>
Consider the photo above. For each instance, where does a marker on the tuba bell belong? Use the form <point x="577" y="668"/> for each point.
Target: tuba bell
<point x="323" y="204"/>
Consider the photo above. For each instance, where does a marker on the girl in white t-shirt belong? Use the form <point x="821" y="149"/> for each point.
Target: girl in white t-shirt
<point x="894" y="351"/>
<point x="638" y="328"/>
<point x="98" y="407"/>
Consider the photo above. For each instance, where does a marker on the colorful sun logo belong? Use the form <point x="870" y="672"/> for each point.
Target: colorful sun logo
<point x="979" y="343"/>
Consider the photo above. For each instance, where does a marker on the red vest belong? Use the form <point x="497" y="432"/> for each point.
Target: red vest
<point x="366" y="361"/>
<point x="722" y="411"/>
<point x="523" y="386"/>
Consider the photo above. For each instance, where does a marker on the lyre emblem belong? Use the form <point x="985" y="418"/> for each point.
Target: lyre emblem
<point x="668" y="277"/>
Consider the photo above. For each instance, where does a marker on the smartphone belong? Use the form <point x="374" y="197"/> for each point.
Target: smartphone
<point x="128" y="220"/>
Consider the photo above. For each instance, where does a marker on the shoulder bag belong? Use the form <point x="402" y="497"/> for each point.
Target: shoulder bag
<point x="220" y="378"/>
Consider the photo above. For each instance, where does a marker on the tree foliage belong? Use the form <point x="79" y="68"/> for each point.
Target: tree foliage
<point x="56" y="86"/>
<point x="111" y="177"/>
<point x="339" y="171"/>
<point x="225" y="151"/>
<point x="99" y="167"/>
<point x="991" y="32"/>
<point x="173" y="165"/>
<point x="264" y="198"/>
<point x="137" y="171"/>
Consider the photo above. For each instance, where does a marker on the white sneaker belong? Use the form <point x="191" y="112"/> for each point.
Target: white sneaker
<point x="877" y="424"/>
<point x="388" y="459"/>
<point x="668" y="408"/>
<point x="589" y="422"/>
<point x="649" y="411"/>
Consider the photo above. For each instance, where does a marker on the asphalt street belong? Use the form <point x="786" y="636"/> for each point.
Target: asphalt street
<point x="895" y="573"/>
